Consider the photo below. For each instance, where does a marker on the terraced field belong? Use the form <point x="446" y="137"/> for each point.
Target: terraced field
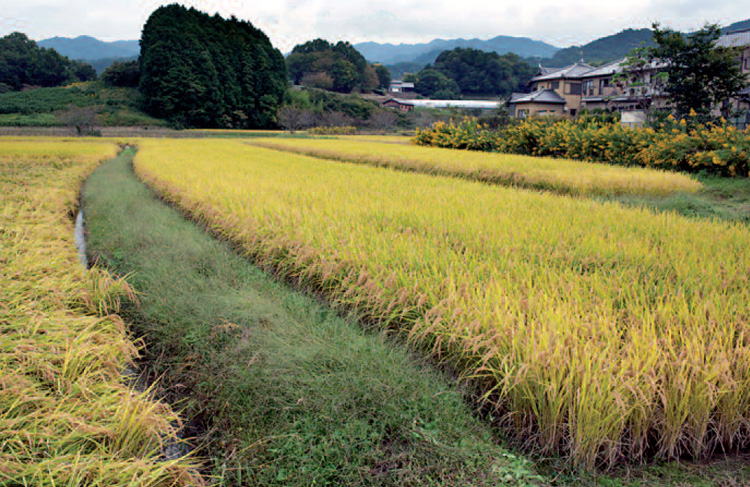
<point x="558" y="175"/>
<point x="597" y="332"/>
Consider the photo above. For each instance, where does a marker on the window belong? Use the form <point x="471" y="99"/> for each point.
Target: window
<point x="521" y="113"/>
<point x="574" y="88"/>
<point x="588" y="88"/>
<point x="747" y="64"/>
<point x="554" y="85"/>
<point x="572" y="112"/>
<point x="603" y="83"/>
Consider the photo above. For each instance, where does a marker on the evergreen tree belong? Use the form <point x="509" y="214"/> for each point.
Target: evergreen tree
<point x="199" y="70"/>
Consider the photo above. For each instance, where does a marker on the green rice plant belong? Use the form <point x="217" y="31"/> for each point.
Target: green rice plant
<point x="67" y="416"/>
<point x="594" y="331"/>
<point x="559" y="175"/>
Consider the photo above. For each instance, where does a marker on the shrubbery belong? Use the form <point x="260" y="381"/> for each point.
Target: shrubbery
<point x="680" y="145"/>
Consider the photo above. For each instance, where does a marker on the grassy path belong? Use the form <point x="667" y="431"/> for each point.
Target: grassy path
<point x="291" y="393"/>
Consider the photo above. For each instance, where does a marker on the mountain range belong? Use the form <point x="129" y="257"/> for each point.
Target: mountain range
<point x="399" y="53"/>
<point x="89" y="48"/>
<point x="99" y="54"/>
<point x="407" y="57"/>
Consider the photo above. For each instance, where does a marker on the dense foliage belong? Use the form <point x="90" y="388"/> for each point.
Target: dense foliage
<point x="338" y="67"/>
<point x="473" y="72"/>
<point x="204" y="71"/>
<point x="681" y="145"/>
<point x="23" y="63"/>
<point x="126" y="74"/>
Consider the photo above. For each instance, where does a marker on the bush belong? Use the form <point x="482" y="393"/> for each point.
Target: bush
<point x="685" y="145"/>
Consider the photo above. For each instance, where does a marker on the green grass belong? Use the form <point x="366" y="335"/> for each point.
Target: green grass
<point x="290" y="392"/>
<point x="40" y="107"/>
<point x="722" y="198"/>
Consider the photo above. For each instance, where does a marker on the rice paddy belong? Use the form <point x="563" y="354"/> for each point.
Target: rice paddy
<point x="66" y="415"/>
<point x="595" y="332"/>
<point x="558" y="175"/>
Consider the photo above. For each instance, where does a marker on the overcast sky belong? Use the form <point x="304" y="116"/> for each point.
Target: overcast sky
<point x="290" y="22"/>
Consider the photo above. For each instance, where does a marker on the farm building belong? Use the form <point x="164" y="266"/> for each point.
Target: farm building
<point x="408" y="105"/>
<point x="401" y="87"/>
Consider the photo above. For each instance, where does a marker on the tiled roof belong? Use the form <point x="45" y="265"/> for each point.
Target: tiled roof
<point x="605" y="69"/>
<point x="572" y="71"/>
<point x="543" y="96"/>
<point x="739" y="38"/>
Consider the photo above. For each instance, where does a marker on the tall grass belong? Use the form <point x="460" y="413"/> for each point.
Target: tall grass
<point x="66" y="416"/>
<point x="559" y="175"/>
<point x="601" y="332"/>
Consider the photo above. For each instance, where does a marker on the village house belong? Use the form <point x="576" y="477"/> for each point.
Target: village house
<point x="538" y="103"/>
<point x="631" y="90"/>
<point x="740" y="38"/>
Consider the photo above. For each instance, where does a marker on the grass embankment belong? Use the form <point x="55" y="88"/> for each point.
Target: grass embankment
<point x="605" y="333"/>
<point x="66" y="416"/>
<point x="563" y="176"/>
<point x="42" y="107"/>
<point x="292" y="393"/>
<point x="719" y="197"/>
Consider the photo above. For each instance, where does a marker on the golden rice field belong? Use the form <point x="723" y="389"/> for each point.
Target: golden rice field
<point x="66" y="415"/>
<point x="595" y="331"/>
<point x="558" y="175"/>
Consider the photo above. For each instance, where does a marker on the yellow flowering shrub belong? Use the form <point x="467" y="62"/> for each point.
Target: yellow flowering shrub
<point x="679" y="145"/>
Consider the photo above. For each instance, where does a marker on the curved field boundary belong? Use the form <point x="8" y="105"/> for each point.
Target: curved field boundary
<point x="66" y="415"/>
<point x="562" y="176"/>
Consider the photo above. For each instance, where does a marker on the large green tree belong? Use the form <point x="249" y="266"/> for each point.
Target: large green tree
<point x="23" y="62"/>
<point x="701" y="75"/>
<point x="199" y="70"/>
<point x="319" y="59"/>
<point x="476" y="72"/>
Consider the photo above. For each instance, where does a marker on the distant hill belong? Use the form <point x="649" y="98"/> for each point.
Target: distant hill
<point x="88" y="48"/>
<point x="742" y="25"/>
<point x="393" y="54"/>
<point x="602" y="50"/>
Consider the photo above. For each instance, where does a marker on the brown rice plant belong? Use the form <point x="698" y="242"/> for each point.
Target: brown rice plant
<point x="67" y="417"/>
<point x="563" y="176"/>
